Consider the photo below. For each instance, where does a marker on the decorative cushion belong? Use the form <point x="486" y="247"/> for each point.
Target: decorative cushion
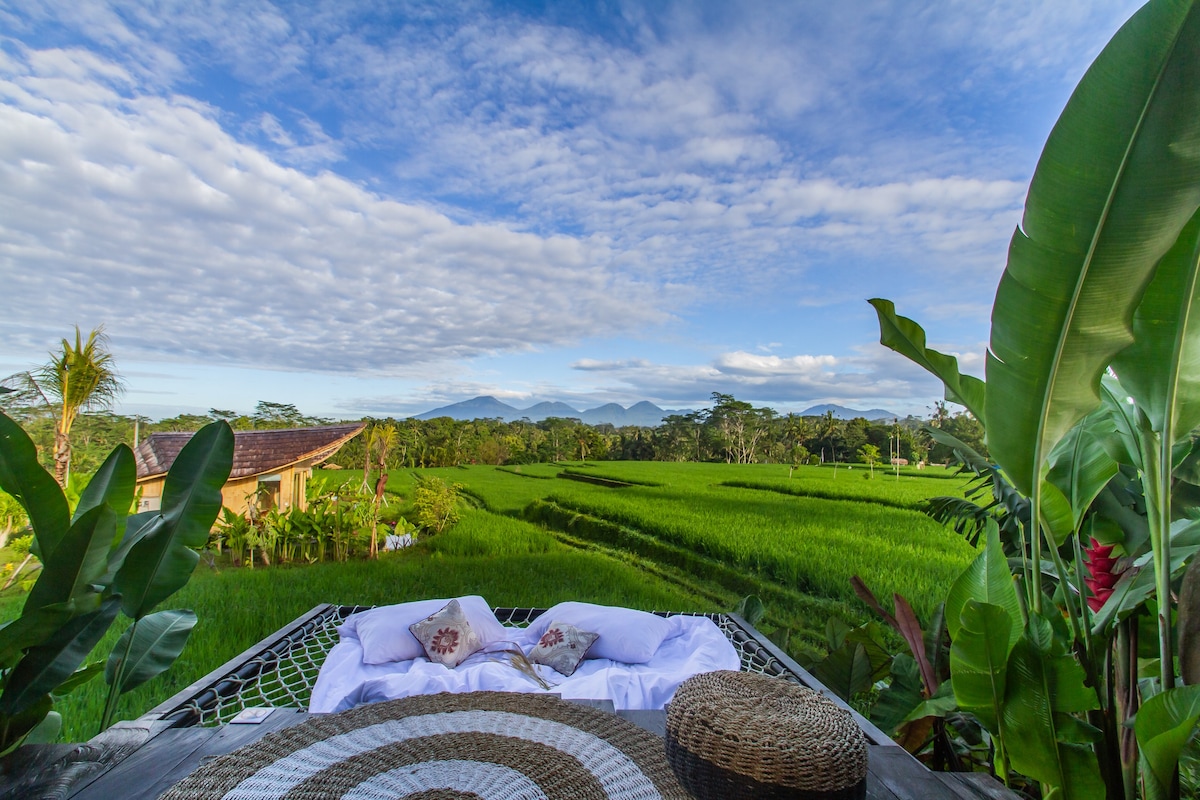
<point x="562" y="647"/>
<point x="447" y="636"/>
<point x="384" y="632"/>
<point x="626" y="635"/>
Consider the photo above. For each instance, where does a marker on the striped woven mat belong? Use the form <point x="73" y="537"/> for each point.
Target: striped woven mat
<point x="492" y="745"/>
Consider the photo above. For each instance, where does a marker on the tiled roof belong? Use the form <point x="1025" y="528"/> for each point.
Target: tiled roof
<point x="254" y="452"/>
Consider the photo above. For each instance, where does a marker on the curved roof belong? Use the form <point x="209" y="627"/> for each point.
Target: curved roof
<point x="254" y="452"/>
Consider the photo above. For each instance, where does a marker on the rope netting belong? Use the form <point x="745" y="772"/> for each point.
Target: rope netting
<point x="281" y="673"/>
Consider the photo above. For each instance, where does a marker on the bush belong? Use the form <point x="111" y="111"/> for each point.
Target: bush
<point x="436" y="503"/>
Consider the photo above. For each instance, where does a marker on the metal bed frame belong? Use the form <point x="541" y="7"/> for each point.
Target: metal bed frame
<point x="280" y="670"/>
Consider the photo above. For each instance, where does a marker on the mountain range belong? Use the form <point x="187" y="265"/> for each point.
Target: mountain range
<point x="644" y="414"/>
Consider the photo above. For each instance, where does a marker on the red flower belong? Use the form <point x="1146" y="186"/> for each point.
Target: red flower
<point x="445" y="641"/>
<point x="1103" y="577"/>
<point x="550" y="638"/>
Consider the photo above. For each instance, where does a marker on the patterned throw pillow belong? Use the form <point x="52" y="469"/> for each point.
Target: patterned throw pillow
<point x="447" y="636"/>
<point x="562" y="647"/>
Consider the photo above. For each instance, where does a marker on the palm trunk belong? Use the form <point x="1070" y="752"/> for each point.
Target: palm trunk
<point x="62" y="458"/>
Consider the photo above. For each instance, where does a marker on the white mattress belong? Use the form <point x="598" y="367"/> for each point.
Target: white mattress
<point x="693" y="645"/>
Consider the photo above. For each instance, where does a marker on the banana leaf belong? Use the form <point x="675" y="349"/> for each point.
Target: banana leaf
<point x="1082" y="465"/>
<point x="1163" y="727"/>
<point x="71" y="571"/>
<point x="147" y="648"/>
<point x="979" y="661"/>
<point x="162" y="560"/>
<point x="1118" y="179"/>
<point x="846" y="671"/>
<point x="114" y="483"/>
<point x="903" y="694"/>
<point x="1045" y="686"/>
<point x="24" y="478"/>
<point x="986" y="580"/>
<point x="907" y="338"/>
<point x="1161" y="369"/>
<point x="47" y="665"/>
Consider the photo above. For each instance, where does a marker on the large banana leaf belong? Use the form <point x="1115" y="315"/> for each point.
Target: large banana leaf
<point x="986" y="580"/>
<point x="47" y="665"/>
<point x="1163" y="726"/>
<point x="1045" y="686"/>
<point x="1118" y="179"/>
<point x="24" y="478"/>
<point x="161" y="560"/>
<point x="114" y="484"/>
<point x="908" y="339"/>
<point x="1161" y="369"/>
<point x="73" y="568"/>
<point x="1081" y="465"/>
<point x="979" y="661"/>
<point x="29" y="629"/>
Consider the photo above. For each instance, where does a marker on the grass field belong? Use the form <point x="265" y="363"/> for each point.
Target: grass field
<point x="678" y="537"/>
<point x="811" y="532"/>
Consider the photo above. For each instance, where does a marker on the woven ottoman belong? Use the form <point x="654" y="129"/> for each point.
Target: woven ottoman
<point x="742" y="735"/>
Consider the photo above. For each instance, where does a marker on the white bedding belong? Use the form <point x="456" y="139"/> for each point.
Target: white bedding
<point x="693" y="645"/>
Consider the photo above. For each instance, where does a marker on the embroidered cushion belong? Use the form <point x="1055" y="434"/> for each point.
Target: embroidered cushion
<point x="626" y="635"/>
<point x="384" y="631"/>
<point x="562" y="647"/>
<point x="447" y="636"/>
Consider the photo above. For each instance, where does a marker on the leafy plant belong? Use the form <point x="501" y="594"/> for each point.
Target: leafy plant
<point x="99" y="562"/>
<point x="1101" y="280"/>
<point x="436" y="503"/>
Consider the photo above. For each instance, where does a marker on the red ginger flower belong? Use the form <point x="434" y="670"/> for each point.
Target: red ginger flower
<point x="1100" y="564"/>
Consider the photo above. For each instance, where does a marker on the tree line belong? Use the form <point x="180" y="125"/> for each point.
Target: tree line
<point x="731" y="430"/>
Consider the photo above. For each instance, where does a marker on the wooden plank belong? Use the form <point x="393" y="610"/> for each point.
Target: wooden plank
<point x="225" y="739"/>
<point x="978" y="786"/>
<point x="876" y="790"/>
<point x="654" y="721"/>
<point x="24" y="772"/>
<point x="908" y="778"/>
<point x="135" y="777"/>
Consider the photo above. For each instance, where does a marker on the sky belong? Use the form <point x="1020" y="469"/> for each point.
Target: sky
<point x="381" y="208"/>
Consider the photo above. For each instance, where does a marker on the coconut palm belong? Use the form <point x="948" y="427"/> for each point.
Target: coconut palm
<point x="76" y="378"/>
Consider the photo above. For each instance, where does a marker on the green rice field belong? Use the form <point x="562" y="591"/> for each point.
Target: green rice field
<point x="640" y="534"/>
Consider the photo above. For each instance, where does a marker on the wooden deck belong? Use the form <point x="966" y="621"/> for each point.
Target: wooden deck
<point x="167" y="755"/>
<point x="142" y="758"/>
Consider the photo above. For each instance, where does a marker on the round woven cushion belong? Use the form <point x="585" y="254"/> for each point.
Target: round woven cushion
<point x="738" y="734"/>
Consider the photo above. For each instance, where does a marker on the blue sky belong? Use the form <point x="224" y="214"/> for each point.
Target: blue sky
<point x="379" y="208"/>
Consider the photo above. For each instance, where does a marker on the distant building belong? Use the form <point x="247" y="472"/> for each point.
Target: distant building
<point x="275" y="465"/>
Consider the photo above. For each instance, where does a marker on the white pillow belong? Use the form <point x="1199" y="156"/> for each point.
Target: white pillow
<point x="626" y="635"/>
<point x="385" y="636"/>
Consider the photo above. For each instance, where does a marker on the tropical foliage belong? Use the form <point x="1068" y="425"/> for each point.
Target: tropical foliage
<point x="77" y="377"/>
<point x="99" y="561"/>
<point x="1091" y="397"/>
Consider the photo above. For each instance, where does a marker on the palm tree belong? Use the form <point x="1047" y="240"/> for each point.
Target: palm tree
<point x="77" y="378"/>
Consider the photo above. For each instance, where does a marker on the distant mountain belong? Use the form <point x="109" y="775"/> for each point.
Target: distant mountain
<point x="476" y="408"/>
<point x="644" y="413"/>
<point x="542" y="410"/>
<point x="841" y="412"/>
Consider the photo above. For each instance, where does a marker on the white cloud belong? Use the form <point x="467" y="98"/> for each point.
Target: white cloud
<point x="140" y="211"/>
<point x="871" y="376"/>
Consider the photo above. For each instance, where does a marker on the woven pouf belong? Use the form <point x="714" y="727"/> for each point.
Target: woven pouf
<point x="742" y="735"/>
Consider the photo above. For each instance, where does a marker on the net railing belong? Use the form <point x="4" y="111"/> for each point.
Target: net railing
<point x="281" y="670"/>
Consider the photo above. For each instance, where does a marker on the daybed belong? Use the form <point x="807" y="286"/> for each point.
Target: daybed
<point x="637" y="662"/>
